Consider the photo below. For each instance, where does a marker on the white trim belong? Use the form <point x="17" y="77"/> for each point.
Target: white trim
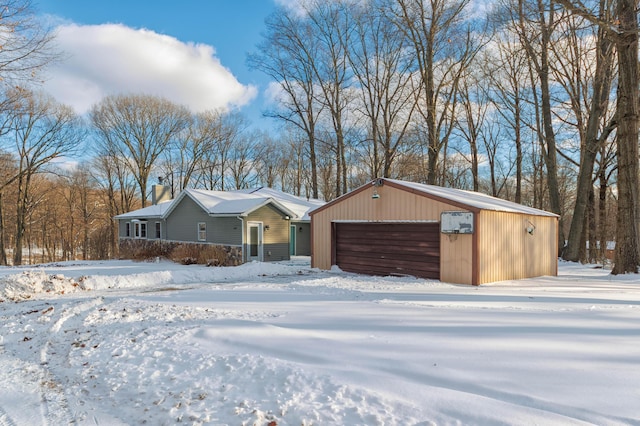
<point x="295" y="239"/>
<point x="138" y="225"/>
<point x="199" y="231"/>
<point x="260" y="243"/>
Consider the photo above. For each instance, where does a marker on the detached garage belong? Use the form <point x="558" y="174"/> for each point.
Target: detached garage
<point x="393" y="227"/>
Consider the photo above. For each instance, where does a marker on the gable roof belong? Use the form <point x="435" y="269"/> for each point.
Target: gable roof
<point x="228" y="203"/>
<point x="301" y="206"/>
<point x="473" y="201"/>
<point x="155" y="211"/>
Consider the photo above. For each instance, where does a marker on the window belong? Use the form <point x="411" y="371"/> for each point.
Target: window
<point x="158" y="233"/>
<point x="140" y="229"/>
<point x="202" y="231"/>
<point x="127" y="229"/>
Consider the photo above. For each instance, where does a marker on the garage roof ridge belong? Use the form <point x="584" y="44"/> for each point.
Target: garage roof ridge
<point x="469" y="200"/>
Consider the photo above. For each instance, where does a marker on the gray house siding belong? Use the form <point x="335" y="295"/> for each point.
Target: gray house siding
<point x="182" y="223"/>
<point x="303" y="238"/>
<point x="150" y="224"/>
<point x="163" y="226"/>
<point x="276" y="237"/>
<point x="122" y="228"/>
<point x="226" y="231"/>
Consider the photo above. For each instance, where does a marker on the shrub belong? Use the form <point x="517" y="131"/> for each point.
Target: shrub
<point x="184" y="253"/>
<point x="142" y="250"/>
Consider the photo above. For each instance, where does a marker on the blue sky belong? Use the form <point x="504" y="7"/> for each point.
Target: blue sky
<point x="192" y="51"/>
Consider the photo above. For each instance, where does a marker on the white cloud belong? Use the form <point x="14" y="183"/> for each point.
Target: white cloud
<point x="110" y="59"/>
<point x="298" y="6"/>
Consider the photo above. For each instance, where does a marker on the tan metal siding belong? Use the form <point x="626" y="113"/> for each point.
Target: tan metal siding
<point x="393" y="205"/>
<point x="506" y="251"/>
<point x="456" y="258"/>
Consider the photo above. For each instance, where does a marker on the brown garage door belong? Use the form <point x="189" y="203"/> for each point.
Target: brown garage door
<point x="388" y="248"/>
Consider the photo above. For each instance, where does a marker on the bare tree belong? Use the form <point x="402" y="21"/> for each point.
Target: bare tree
<point x="138" y="128"/>
<point x="27" y="45"/>
<point x="209" y="130"/>
<point x="388" y="99"/>
<point x="622" y="29"/>
<point x="231" y="146"/>
<point x="118" y="186"/>
<point x="626" y="40"/>
<point x="589" y="95"/>
<point x="536" y="21"/>
<point x="444" y="46"/>
<point x="332" y="27"/>
<point x="286" y="54"/>
<point x="42" y="130"/>
<point x="507" y="74"/>
<point x="270" y="159"/>
<point x="471" y="120"/>
<point x="241" y="163"/>
<point x="8" y="175"/>
<point x="80" y="187"/>
<point x="606" y="226"/>
<point x="295" y="177"/>
<point x="26" y="49"/>
<point x="194" y="154"/>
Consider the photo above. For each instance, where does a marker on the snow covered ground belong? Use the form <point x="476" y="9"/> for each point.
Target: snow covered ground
<point x="118" y="342"/>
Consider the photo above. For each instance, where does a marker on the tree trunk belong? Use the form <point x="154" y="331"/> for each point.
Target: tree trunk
<point x="433" y="147"/>
<point x="518" y="141"/>
<point x="572" y="251"/>
<point x="314" y="166"/>
<point x="546" y="134"/>
<point x="602" y="213"/>
<point x="20" y="229"/>
<point x="550" y="139"/>
<point x="592" y="229"/>
<point x="627" y="257"/>
<point x="3" y="253"/>
<point x="345" y="186"/>
<point x="339" y="166"/>
<point x="601" y="87"/>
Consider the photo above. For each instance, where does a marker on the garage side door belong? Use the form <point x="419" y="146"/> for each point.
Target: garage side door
<point x="388" y="248"/>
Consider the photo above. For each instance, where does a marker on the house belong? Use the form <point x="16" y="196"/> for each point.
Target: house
<point x="393" y="227"/>
<point x="261" y="224"/>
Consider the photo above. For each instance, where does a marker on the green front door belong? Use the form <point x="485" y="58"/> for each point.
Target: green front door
<point x="292" y="240"/>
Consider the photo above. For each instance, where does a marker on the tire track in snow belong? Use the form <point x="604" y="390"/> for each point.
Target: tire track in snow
<point x="54" y="406"/>
<point x="5" y="419"/>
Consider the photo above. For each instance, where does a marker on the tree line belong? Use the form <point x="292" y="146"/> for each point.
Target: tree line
<point x="529" y="100"/>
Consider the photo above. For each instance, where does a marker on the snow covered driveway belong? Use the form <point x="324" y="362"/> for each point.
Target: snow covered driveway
<point x="117" y="342"/>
